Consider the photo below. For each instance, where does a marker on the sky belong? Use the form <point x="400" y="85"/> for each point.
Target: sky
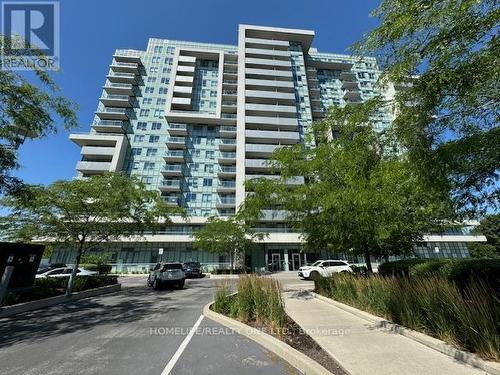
<point x="91" y="30"/>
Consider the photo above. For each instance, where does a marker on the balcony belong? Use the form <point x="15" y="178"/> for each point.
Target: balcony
<point x="176" y="156"/>
<point x="230" y="93"/>
<point x="185" y="70"/>
<point x="119" y="88"/>
<point x="226" y="202"/>
<point x="270" y="84"/>
<point x="256" y="165"/>
<point x="227" y="144"/>
<point x="124" y="67"/>
<point x="97" y="151"/>
<point x="269" y="43"/>
<point x="259" y="150"/>
<point x="270" y="109"/>
<point x="227" y="157"/>
<point x="228" y="118"/>
<point x="112" y="113"/>
<point x="298" y="180"/>
<point x="183" y="91"/>
<point x="171" y="201"/>
<point x="183" y="80"/>
<point x="113" y="100"/>
<point x="109" y="126"/>
<point x="352" y="95"/>
<point x="272" y="137"/>
<point x="93" y="167"/>
<point x="256" y="52"/>
<point x="350" y="84"/>
<point x="268" y="73"/>
<point x="284" y="123"/>
<point x="172" y="170"/>
<point x="226" y="186"/>
<point x="177" y="129"/>
<point x="170" y="185"/>
<point x="227" y="131"/>
<point x="128" y="56"/>
<point x="116" y="77"/>
<point x="347" y="76"/>
<point x="230" y="82"/>
<point x="187" y="60"/>
<point x="226" y="171"/>
<point x="176" y="142"/>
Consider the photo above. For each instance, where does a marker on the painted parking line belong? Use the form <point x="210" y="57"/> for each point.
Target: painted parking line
<point x="170" y="365"/>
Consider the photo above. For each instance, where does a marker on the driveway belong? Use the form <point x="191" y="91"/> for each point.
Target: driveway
<point x="135" y="331"/>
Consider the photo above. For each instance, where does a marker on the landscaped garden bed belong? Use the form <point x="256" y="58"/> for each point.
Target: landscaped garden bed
<point x="259" y="304"/>
<point x="464" y="313"/>
<point x="51" y="287"/>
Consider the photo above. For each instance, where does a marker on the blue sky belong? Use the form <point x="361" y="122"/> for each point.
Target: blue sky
<point x="92" y="29"/>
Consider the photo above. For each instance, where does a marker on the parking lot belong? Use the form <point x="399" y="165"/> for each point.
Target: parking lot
<point x="135" y="331"/>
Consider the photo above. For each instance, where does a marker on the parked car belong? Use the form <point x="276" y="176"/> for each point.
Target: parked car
<point x="323" y="268"/>
<point x="49" y="267"/>
<point x="65" y="272"/>
<point x="163" y="274"/>
<point x="192" y="269"/>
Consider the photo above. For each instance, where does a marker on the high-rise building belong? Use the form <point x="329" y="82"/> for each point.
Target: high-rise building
<point x="196" y="120"/>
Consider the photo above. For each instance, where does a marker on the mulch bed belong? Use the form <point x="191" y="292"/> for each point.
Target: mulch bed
<point x="298" y="339"/>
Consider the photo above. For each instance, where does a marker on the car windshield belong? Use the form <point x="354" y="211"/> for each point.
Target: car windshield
<point x="317" y="263"/>
<point x="172" y="266"/>
<point x="192" y="264"/>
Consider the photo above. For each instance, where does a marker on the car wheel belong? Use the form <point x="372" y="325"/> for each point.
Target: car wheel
<point x="314" y="275"/>
<point x="148" y="282"/>
<point x="156" y="284"/>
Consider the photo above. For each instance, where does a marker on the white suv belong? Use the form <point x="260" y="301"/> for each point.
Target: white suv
<point x="323" y="268"/>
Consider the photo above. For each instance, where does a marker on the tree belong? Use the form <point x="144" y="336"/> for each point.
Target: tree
<point x="490" y="228"/>
<point x="27" y="111"/>
<point x="360" y="195"/>
<point x="231" y="237"/>
<point x="83" y="213"/>
<point x="451" y="50"/>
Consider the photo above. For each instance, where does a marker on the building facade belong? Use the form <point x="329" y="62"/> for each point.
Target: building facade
<point x="196" y="120"/>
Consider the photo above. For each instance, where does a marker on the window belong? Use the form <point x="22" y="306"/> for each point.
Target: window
<point x="146" y="100"/>
<point x="160" y="101"/>
<point x="138" y="138"/>
<point x="149" y="165"/>
<point x="153" y="69"/>
<point x="156" y="126"/>
<point x="209" y="168"/>
<point x="191" y="197"/>
<point x="134" y="165"/>
<point x="163" y="90"/>
<point x="158" y="49"/>
<point x="151" y="79"/>
<point x="151" y="151"/>
<point x="154" y="138"/>
<point x="158" y="113"/>
<point x="144" y="112"/>
<point x="155" y="60"/>
<point x="147" y="179"/>
<point x="149" y="90"/>
<point x="207" y="182"/>
<point x="136" y="151"/>
<point x="206" y="198"/>
<point x="142" y="125"/>
<point x="165" y="79"/>
<point x="209" y="154"/>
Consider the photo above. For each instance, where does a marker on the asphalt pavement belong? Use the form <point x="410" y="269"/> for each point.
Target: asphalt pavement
<point x="135" y="331"/>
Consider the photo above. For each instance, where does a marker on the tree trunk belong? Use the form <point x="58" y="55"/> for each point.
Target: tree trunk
<point x="71" y="281"/>
<point x="368" y="260"/>
<point x="231" y="260"/>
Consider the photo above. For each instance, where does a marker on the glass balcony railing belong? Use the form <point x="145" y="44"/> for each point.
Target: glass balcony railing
<point x="228" y="169"/>
<point x="115" y="97"/>
<point x="228" y="141"/>
<point x="123" y="75"/>
<point x="171" y="183"/>
<point x="229" y="103"/>
<point x="172" y="168"/>
<point x="229" y="92"/>
<point x="177" y="126"/>
<point x="174" y="154"/>
<point x="227" y="184"/>
<point x="230" y="81"/>
<point x="125" y="64"/>
<point x="228" y="200"/>
<point x="119" y="85"/>
<point x="109" y="123"/>
<point x="228" y="115"/>
<point x="228" y="155"/>
<point x="226" y="128"/>
<point x="171" y="200"/>
<point x="113" y="110"/>
<point x="176" y="140"/>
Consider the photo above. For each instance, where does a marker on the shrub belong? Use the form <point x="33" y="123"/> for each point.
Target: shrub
<point x="399" y="267"/>
<point x="92" y="282"/>
<point x="258" y="300"/>
<point x="228" y="271"/>
<point x="101" y="268"/>
<point x="467" y="318"/>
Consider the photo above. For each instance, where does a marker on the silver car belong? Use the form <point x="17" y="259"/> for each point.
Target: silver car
<point x="163" y="274"/>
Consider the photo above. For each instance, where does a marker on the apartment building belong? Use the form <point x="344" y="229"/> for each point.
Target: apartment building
<point x="197" y="120"/>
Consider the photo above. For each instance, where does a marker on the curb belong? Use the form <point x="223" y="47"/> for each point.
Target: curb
<point x="222" y="277"/>
<point x="492" y="368"/>
<point x="51" y="301"/>
<point x="295" y="358"/>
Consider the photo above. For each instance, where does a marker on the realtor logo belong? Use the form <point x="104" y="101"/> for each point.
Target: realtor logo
<point x="30" y="33"/>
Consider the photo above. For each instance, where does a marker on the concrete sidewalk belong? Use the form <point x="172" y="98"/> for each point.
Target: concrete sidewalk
<point x="361" y="347"/>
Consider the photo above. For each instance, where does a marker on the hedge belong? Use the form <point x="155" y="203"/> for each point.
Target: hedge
<point x="459" y="271"/>
<point x="101" y="268"/>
